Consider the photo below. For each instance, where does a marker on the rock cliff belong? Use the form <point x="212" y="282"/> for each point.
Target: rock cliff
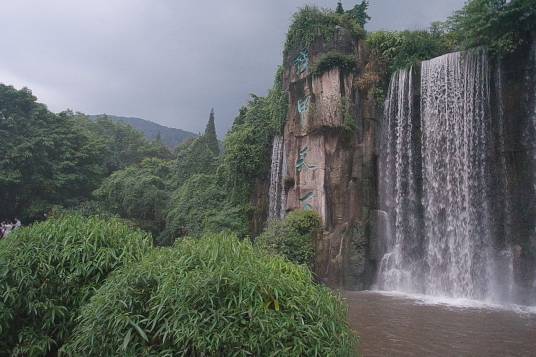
<point x="328" y="159"/>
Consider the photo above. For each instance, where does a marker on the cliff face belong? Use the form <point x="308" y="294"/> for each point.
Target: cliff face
<point x="514" y="112"/>
<point x="328" y="159"/>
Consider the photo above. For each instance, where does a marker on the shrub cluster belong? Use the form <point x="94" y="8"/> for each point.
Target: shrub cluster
<point x="500" y="25"/>
<point x="293" y="237"/>
<point x="334" y="59"/>
<point x="310" y="24"/>
<point x="49" y="270"/>
<point x="212" y="297"/>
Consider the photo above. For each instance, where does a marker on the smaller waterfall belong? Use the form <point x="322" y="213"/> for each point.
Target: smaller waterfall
<point x="276" y="189"/>
<point x="399" y="186"/>
<point x="284" y="190"/>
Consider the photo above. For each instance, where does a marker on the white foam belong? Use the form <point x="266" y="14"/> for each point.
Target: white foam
<point x="456" y="302"/>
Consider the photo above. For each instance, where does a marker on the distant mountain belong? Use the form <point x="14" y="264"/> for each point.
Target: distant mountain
<point x="170" y="137"/>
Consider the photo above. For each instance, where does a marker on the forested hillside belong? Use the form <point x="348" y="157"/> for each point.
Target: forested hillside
<point x="170" y="137"/>
<point x="52" y="160"/>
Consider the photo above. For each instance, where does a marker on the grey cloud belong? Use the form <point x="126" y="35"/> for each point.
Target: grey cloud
<point x="168" y="61"/>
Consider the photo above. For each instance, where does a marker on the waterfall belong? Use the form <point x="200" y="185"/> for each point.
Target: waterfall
<point x="438" y="180"/>
<point x="275" y="192"/>
<point x="284" y="173"/>
<point x="399" y="186"/>
<point x="456" y="125"/>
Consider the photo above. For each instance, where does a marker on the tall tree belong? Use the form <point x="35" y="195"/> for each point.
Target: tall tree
<point x="340" y="9"/>
<point x="210" y="134"/>
<point x="360" y="14"/>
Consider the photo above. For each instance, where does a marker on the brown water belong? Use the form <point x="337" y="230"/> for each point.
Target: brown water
<point x="398" y="325"/>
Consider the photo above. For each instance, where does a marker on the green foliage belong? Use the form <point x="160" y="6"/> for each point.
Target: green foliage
<point x="292" y="238"/>
<point x="197" y="157"/>
<point x="248" y="145"/>
<point x="214" y="194"/>
<point x="394" y="50"/>
<point x="212" y="297"/>
<point x="49" y="270"/>
<point x="349" y="121"/>
<point x="340" y="9"/>
<point x="333" y="59"/>
<point x="310" y="24"/>
<point x="45" y="159"/>
<point x="50" y="160"/>
<point x="124" y="146"/>
<point x="198" y="206"/>
<point x="139" y="193"/>
<point x="498" y="24"/>
<point x="399" y="50"/>
<point x="359" y="13"/>
<point x="210" y="135"/>
<point x="171" y="138"/>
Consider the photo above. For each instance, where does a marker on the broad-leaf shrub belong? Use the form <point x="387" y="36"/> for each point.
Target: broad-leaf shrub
<point x="311" y="23"/>
<point x="215" y="296"/>
<point x="199" y="206"/>
<point x="139" y="193"/>
<point x="49" y="270"/>
<point x="501" y="25"/>
<point x="293" y="237"/>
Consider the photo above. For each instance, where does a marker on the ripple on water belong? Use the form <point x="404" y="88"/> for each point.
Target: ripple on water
<point x="395" y="324"/>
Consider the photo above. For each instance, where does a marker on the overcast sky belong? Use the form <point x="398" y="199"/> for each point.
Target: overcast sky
<point x="168" y="61"/>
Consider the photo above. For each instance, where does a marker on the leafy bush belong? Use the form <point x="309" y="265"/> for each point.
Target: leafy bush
<point x="292" y="238"/>
<point x="139" y="192"/>
<point x="200" y="156"/>
<point x="49" y="270"/>
<point x="401" y="49"/>
<point x="124" y="145"/>
<point x="212" y="297"/>
<point x="391" y="51"/>
<point x="248" y="146"/>
<point x="200" y="206"/>
<point x="46" y="159"/>
<point x="311" y="23"/>
<point x="498" y="24"/>
<point x="332" y="60"/>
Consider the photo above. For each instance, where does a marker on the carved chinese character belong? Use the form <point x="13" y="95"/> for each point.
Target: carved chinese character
<point x="302" y="62"/>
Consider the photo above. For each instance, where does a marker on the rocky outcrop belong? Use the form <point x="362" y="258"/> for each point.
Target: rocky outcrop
<point x="514" y="113"/>
<point x="329" y="158"/>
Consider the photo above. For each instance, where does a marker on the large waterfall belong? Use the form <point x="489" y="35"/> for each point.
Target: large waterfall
<point x="456" y="123"/>
<point x="438" y="183"/>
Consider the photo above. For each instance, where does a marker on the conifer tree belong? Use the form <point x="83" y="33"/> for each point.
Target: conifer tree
<point x="210" y="134"/>
<point x="340" y="9"/>
<point x="360" y="14"/>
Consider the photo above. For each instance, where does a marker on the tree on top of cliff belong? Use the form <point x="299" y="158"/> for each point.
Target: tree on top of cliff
<point x="210" y="134"/>
<point x="499" y="24"/>
<point x="359" y="13"/>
